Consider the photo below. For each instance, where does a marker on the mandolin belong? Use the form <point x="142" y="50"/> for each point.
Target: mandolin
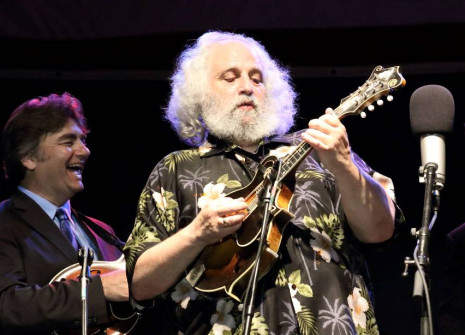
<point x="223" y="269"/>
<point x="123" y="318"/>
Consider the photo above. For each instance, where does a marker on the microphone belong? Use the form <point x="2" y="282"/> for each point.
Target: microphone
<point x="432" y="118"/>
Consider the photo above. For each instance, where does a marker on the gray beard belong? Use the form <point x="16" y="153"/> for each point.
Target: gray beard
<point x="236" y="126"/>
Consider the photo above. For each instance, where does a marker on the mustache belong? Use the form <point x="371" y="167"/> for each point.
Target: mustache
<point x="249" y="101"/>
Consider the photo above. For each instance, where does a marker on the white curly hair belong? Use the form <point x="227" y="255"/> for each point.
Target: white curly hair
<point x="189" y="83"/>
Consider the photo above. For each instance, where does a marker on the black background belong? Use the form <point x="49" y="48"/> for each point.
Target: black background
<point x="118" y="66"/>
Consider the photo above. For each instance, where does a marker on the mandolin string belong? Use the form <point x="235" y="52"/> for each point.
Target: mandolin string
<point x="253" y="203"/>
<point x="287" y="161"/>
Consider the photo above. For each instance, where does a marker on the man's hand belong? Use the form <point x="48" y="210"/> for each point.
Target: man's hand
<point x="367" y="204"/>
<point x="329" y="137"/>
<point x="219" y="218"/>
<point x="115" y="285"/>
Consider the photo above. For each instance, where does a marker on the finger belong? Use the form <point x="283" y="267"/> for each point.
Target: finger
<point x="322" y="124"/>
<point x="329" y="110"/>
<point x="231" y="207"/>
<point x="320" y="133"/>
<point x="316" y="138"/>
<point x="225" y="201"/>
<point x="331" y="119"/>
<point x="232" y="220"/>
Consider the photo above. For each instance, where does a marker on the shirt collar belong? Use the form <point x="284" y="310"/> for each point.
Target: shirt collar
<point x="49" y="208"/>
<point x="214" y="146"/>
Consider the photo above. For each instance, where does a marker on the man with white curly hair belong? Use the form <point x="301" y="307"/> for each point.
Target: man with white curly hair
<point x="234" y="104"/>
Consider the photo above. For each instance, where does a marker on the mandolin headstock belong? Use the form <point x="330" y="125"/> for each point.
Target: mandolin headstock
<point x="382" y="82"/>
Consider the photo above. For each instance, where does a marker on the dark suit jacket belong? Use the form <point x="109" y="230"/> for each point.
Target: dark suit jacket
<point x="32" y="252"/>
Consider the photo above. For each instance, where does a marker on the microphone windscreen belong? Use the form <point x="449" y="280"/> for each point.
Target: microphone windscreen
<point x="432" y="110"/>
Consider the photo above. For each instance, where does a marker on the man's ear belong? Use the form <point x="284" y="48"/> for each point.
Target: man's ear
<point x="29" y="162"/>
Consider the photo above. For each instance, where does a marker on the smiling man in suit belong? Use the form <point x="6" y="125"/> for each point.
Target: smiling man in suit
<point x="44" y="153"/>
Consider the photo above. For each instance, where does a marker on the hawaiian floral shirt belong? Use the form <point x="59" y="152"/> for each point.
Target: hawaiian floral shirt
<point x="316" y="286"/>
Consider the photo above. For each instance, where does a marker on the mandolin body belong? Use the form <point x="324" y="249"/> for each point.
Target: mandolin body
<point x="123" y="318"/>
<point x="224" y="268"/>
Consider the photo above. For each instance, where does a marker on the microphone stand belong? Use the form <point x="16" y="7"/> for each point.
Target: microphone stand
<point x="85" y="256"/>
<point x="421" y="257"/>
<point x="267" y="201"/>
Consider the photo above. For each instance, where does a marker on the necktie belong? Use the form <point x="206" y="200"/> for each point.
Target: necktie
<point x="66" y="226"/>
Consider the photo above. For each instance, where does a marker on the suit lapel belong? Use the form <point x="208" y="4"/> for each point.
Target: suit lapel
<point x="31" y="213"/>
<point x="82" y="220"/>
<point x="109" y="246"/>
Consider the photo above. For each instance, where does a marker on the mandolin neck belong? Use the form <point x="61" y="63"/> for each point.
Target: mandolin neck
<point x="294" y="159"/>
<point x="302" y="150"/>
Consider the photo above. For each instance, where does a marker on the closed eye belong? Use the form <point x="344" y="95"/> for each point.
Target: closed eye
<point x="256" y="77"/>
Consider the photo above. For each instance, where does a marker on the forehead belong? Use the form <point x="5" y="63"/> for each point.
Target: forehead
<point x="230" y="55"/>
<point x="71" y="127"/>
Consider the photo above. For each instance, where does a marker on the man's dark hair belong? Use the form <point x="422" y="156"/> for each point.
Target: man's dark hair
<point x="30" y="123"/>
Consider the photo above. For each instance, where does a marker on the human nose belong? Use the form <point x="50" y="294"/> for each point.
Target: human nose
<point x="246" y="86"/>
<point x="82" y="149"/>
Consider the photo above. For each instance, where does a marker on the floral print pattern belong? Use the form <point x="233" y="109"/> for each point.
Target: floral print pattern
<point x="223" y="321"/>
<point x="358" y="306"/>
<point x="183" y="293"/>
<point x="211" y="192"/>
<point x="315" y="287"/>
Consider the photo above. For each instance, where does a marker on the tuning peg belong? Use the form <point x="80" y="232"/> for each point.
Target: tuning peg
<point x="380" y="102"/>
<point x="363" y="115"/>
<point x="389" y="98"/>
<point x="371" y="108"/>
